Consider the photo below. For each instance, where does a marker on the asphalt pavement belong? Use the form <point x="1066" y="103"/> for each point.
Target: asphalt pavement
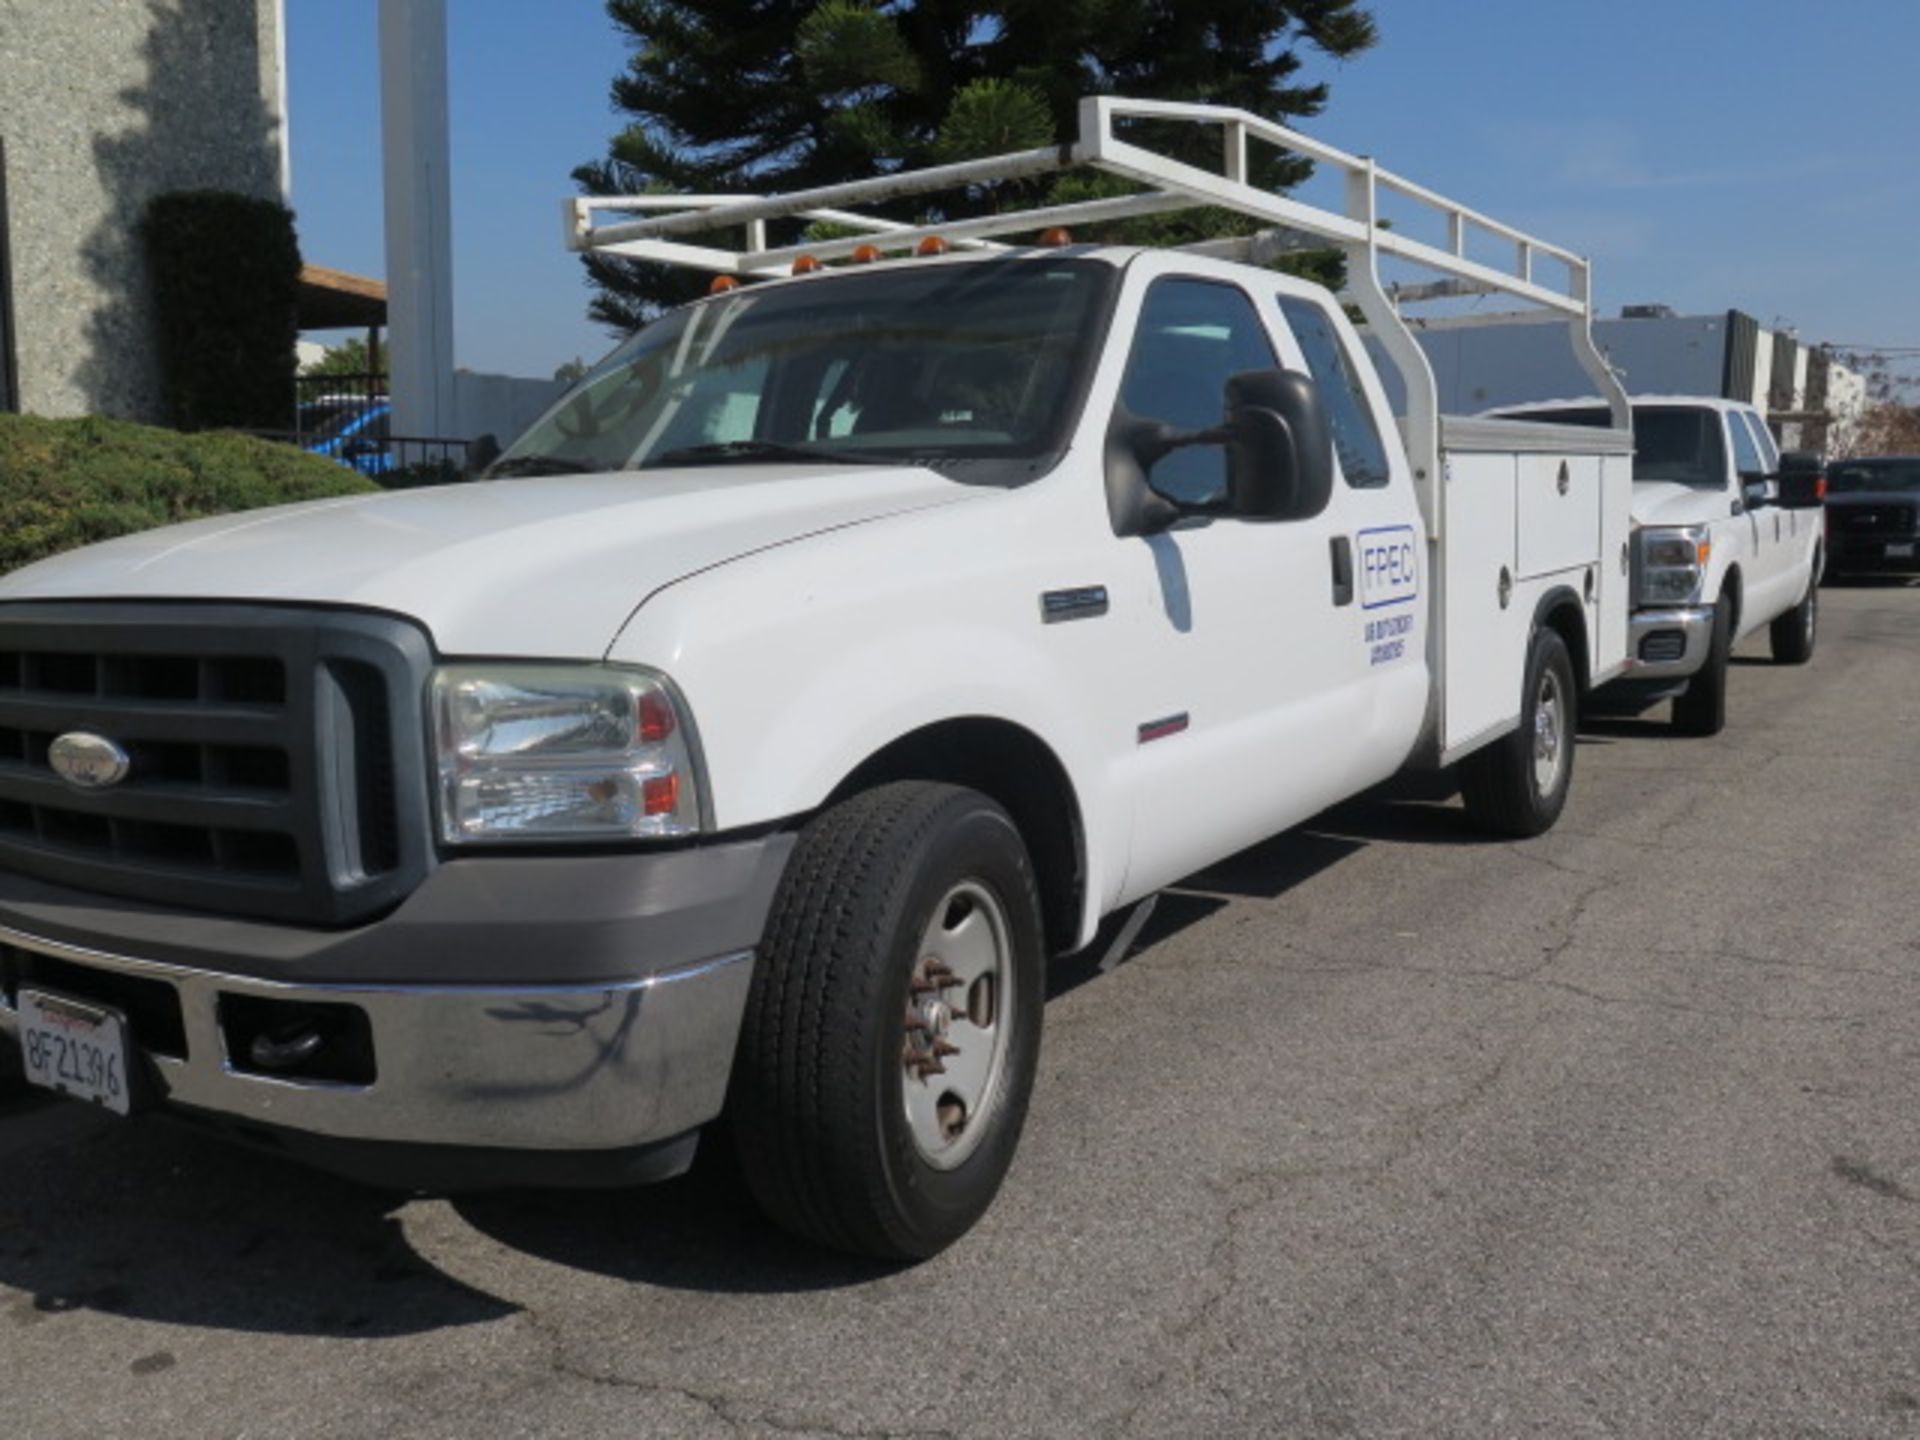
<point x="1383" y="1130"/>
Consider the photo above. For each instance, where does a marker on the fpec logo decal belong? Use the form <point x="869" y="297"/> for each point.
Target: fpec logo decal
<point x="1389" y="578"/>
<point x="1389" y="567"/>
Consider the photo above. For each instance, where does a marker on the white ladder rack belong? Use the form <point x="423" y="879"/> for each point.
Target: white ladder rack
<point x="656" y="228"/>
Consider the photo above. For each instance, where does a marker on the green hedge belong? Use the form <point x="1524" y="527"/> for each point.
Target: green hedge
<point x="226" y="286"/>
<point x="65" y="483"/>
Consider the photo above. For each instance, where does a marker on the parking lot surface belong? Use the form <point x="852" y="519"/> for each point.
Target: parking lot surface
<point x="1383" y="1130"/>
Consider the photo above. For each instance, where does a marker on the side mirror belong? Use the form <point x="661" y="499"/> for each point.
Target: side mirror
<point x="1755" y="493"/>
<point x="1279" y="457"/>
<point x="1279" y="446"/>
<point x="1803" y="481"/>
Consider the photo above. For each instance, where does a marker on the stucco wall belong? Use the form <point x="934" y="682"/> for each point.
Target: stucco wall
<point x="104" y="104"/>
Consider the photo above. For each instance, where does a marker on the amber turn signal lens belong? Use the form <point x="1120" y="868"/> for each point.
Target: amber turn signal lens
<point x="1058" y="235"/>
<point x="932" y="245"/>
<point x="722" y="284"/>
<point x="866" y="254"/>
<point x="806" y="265"/>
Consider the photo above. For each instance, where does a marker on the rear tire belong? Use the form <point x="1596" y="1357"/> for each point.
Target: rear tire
<point x="1702" y="709"/>
<point x="1793" y="634"/>
<point x="1518" y="785"/>
<point x="854" y="1128"/>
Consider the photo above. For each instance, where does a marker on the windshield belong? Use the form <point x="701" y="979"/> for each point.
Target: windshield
<point x="1859" y="476"/>
<point x="976" y="368"/>
<point x="1670" y="442"/>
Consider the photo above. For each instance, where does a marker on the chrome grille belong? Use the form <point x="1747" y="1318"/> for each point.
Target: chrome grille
<point x="1894" y="520"/>
<point x="267" y="747"/>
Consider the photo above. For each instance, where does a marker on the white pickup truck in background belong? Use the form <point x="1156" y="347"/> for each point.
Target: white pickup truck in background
<point x="1728" y="538"/>
<point x="840" y="648"/>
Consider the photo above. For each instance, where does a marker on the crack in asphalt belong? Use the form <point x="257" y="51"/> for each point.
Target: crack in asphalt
<point x="1772" y="963"/>
<point x="741" y="1417"/>
<point x="1245" y="1193"/>
<point x="1858" y="1172"/>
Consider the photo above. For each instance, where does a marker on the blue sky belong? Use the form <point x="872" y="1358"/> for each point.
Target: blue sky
<point x="1756" y="154"/>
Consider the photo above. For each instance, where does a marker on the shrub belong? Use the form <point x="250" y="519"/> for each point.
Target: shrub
<point x="65" y="483"/>
<point x="226" y="288"/>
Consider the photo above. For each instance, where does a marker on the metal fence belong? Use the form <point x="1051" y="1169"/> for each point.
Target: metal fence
<point x="348" y="418"/>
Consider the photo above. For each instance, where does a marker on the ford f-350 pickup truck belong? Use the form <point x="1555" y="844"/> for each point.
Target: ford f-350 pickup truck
<point x="1728" y="538"/>
<point x="843" y="646"/>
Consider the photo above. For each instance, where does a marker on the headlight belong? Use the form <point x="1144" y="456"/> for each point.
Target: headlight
<point x="1673" y="565"/>
<point x="561" y="752"/>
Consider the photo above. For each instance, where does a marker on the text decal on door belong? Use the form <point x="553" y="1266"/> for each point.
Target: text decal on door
<point x="1389" y="566"/>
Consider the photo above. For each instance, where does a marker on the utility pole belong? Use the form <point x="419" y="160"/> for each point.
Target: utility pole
<point x="419" y="215"/>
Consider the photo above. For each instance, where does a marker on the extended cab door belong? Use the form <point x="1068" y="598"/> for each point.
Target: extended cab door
<point x="1770" y="573"/>
<point x="1264" y="706"/>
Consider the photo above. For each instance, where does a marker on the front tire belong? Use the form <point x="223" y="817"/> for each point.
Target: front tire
<point x="1702" y="708"/>
<point x="892" y="1030"/>
<point x="1792" y="635"/>
<point x="1518" y="785"/>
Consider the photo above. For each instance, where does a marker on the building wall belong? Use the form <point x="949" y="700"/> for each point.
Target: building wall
<point x="103" y="105"/>
<point x="1762" y="374"/>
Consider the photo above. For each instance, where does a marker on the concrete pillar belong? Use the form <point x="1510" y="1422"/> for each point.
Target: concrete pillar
<point x="419" y="215"/>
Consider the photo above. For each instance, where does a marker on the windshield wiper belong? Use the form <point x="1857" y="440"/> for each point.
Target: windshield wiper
<point x="726" y="452"/>
<point x="537" y="465"/>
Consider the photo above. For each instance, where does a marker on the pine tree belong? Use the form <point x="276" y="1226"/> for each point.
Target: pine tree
<point x="776" y="95"/>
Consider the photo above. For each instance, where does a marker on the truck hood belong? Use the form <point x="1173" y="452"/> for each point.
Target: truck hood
<point x="549" y="566"/>
<point x="1668" y="502"/>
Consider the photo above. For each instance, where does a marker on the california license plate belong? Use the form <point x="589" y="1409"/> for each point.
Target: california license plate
<point x="1900" y="552"/>
<point x="75" y="1048"/>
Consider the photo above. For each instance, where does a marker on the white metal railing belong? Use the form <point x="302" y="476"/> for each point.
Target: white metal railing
<point x="655" y="227"/>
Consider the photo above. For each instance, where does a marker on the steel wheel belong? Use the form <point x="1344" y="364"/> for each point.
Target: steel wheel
<point x="959" y="1013"/>
<point x="1550" y="737"/>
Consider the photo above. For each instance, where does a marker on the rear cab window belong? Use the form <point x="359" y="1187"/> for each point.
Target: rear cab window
<point x="1356" y="438"/>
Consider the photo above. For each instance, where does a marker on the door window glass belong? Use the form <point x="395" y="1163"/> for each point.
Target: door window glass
<point x="1769" y="456"/>
<point x="1356" y="439"/>
<point x="1746" y="455"/>
<point x="1193" y="336"/>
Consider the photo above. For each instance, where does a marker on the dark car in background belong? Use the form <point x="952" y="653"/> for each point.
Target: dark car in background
<point x="1873" y="515"/>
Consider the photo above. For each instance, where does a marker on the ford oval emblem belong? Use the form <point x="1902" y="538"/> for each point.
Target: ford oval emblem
<point x="88" y="762"/>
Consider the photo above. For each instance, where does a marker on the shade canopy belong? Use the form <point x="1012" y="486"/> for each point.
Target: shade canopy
<point x="336" y="300"/>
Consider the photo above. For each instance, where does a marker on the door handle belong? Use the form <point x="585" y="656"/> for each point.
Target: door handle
<point x="1342" y="549"/>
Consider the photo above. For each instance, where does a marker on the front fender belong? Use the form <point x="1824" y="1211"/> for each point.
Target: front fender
<point x="790" y="698"/>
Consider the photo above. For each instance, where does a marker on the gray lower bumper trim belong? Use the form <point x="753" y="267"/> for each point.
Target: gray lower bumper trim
<point x="490" y="921"/>
<point x="556" y="1067"/>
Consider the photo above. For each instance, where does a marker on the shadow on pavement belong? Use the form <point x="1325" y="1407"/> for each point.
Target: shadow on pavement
<point x="152" y="1222"/>
<point x="701" y="1232"/>
<point x="155" y="1221"/>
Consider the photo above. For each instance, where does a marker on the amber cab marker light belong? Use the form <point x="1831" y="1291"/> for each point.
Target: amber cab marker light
<point x="866" y="254"/>
<point x="1058" y="235"/>
<point x="806" y="265"/>
<point x="932" y="245"/>
<point x="722" y="284"/>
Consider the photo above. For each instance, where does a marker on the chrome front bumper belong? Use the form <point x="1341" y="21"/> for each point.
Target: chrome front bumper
<point x="1695" y="624"/>
<point x="532" y="1068"/>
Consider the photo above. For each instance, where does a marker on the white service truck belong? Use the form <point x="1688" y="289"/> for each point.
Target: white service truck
<point x="840" y="648"/>
<point x="1729" y="537"/>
